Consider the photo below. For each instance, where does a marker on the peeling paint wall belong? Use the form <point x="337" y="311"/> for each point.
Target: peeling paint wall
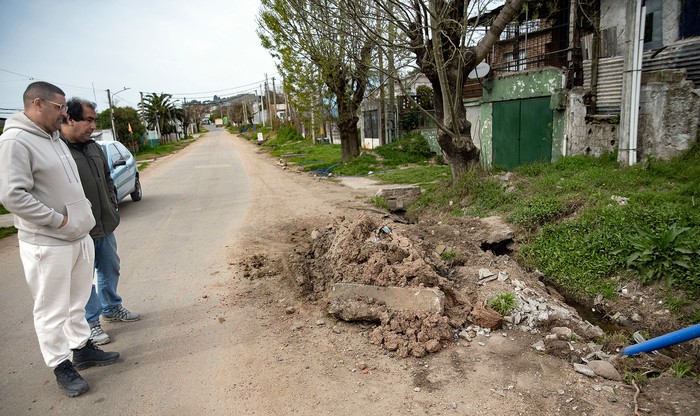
<point x="529" y="84"/>
<point x="594" y="136"/>
<point x="669" y="114"/>
<point x="669" y="118"/>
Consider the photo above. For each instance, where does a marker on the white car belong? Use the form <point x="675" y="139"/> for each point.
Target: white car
<point x="122" y="167"/>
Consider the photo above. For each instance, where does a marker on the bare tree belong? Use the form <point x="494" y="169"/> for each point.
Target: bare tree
<point x="446" y="44"/>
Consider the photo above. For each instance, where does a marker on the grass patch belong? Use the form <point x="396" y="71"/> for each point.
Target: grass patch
<point x="586" y="222"/>
<point x="7" y="231"/>
<point x="503" y="303"/>
<point x="3" y="211"/>
<point x="151" y="152"/>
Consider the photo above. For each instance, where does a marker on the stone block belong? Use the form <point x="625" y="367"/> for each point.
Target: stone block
<point x="398" y="198"/>
<point x="353" y="301"/>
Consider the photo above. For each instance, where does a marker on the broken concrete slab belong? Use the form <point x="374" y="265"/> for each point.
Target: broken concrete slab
<point x="398" y="198"/>
<point x="498" y="230"/>
<point x="358" y="302"/>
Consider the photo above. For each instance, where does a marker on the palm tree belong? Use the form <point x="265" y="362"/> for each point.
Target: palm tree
<point x="158" y="111"/>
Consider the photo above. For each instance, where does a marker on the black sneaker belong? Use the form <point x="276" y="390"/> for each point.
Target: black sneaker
<point x="90" y="356"/>
<point x="69" y="380"/>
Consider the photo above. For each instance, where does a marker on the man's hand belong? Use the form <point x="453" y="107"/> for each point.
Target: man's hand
<point x="64" y="222"/>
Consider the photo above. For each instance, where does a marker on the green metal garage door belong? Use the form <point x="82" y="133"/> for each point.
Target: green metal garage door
<point x="522" y="132"/>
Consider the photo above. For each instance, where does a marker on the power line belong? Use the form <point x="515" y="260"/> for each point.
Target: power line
<point x="241" y="87"/>
<point x="14" y="73"/>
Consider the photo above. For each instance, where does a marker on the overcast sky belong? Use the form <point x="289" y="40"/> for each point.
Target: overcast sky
<point x="189" y="48"/>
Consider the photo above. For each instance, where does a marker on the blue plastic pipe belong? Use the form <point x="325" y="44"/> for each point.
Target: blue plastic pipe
<point x="672" y="338"/>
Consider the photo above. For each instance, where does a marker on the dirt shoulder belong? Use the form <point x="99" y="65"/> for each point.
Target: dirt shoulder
<point x="305" y="234"/>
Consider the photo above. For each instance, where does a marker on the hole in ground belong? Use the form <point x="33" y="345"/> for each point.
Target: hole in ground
<point x="498" y="248"/>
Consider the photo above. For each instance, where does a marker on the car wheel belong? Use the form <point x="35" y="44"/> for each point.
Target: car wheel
<point x="138" y="193"/>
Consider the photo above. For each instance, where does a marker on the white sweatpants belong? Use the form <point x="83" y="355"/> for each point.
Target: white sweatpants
<point x="60" y="280"/>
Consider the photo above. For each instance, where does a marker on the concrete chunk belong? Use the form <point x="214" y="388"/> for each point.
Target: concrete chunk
<point x="398" y="198"/>
<point x="352" y="301"/>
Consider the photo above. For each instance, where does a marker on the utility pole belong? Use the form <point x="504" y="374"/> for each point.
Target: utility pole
<point x="111" y="114"/>
<point x="111" y="111"/>
<point x="262" y="107"/>
<point x="267" y="98"/>
<point x="274" y="98"/>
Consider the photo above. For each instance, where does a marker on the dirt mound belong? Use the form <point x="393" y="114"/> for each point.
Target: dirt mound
<point x="373" y="250"/>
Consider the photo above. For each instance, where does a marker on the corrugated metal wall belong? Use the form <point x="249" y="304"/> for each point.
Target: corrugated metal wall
<point x="684" y="54"/>
<point x="609" y="84"/>
<point x="681" y="55"/>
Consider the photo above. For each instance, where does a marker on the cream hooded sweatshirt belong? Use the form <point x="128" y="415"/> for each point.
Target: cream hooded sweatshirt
<point x="39" y="183"/>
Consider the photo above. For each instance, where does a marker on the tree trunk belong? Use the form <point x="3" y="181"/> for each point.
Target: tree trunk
<point x="349" y="135"/>
<point x="459" y="150"/>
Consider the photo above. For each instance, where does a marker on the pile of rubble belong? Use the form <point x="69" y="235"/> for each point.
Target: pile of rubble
<point x="376" y="270"/>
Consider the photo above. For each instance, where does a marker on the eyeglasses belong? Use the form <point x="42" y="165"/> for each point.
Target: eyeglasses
<point x="61" y="107"/>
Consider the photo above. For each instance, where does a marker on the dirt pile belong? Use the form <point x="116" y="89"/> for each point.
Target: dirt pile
<point x="373" y="250"/>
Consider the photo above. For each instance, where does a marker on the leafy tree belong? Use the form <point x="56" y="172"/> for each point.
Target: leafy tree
<point x="123" y="118"/>
<point x="320" y="31"/>
<point x="159" y="112"/>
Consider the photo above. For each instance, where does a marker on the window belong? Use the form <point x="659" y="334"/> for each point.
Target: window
<point x="653" y="36"/>
<point x="511" y="65"/>
<point x="114" y="153"/>
<point x="371" y="124"/>
<point x="690" y="19"/>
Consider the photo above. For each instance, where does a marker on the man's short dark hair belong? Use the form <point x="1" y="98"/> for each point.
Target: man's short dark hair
<point x="40" y="89"/>
<point x="75" y="107"/>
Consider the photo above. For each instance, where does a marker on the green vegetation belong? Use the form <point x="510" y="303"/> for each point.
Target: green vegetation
<point x="3" y="210"/>
<point x="503" y="303"/>
<point x="586" y="222"/>
<point x="7" y="231"/>
<point x="448" y="255"/>
<point x="151" y="152"/>
<point x="682" y="369"/>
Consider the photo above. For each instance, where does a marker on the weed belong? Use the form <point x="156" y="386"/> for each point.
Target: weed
<point x="639" y="377"/>
<point x="448" y="255"/>
<point x="694" y="317"/>
<point x="378" y="201"/>
<point x="503" y="303"/>
<point x="669" y="253"/>
<point x="681" y="369"/>
<point x="676" y="304"/>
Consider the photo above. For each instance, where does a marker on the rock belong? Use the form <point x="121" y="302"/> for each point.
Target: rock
<point x="502" y="276"/>
<point x="539" y="346"/>
<point x="584" y="369"/>
<point x="499" y="231"/>
<point x="399" y="198"/>
<point x="605" y="370"/>
<point x="486" y="317"/>
<point x="484" y="273"/>
<point x="357" y="302"/>
<point x="562" y="332"/>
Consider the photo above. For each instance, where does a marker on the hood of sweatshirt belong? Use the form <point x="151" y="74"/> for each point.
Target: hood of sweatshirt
<point x="22" y="122"/>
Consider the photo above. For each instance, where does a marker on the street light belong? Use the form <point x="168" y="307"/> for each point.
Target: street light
<point x="111" y="110"/>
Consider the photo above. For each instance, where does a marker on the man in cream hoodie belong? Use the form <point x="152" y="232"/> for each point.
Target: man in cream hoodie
<point x="39" y="183"/>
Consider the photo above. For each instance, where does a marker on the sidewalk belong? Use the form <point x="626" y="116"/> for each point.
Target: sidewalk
<point x="7" y="220"/>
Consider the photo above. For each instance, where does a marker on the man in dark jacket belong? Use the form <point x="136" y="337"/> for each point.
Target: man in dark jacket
<point x="100" y="190"/>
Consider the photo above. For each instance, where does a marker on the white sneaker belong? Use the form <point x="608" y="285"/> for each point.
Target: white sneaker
<point x="97" y="335"/>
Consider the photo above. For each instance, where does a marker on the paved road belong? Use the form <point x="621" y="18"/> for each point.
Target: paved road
<point x="173" y="246"/>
